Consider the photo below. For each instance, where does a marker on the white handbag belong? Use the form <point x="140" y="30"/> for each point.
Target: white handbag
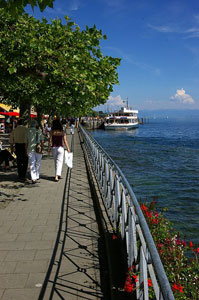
<point x="68" y="158"/>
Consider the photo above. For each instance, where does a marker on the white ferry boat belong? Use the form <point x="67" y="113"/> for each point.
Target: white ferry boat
<point x="126" y="118"/>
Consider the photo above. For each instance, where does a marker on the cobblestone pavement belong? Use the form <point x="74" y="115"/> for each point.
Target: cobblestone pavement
<point x="49" y="235"/>
<point x="9" y="187"/>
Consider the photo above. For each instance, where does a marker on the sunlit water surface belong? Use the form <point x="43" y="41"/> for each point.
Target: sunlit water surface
<point x="161" y="159"/>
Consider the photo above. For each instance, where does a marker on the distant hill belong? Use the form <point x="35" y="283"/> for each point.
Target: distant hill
<point x="170" y="114"/>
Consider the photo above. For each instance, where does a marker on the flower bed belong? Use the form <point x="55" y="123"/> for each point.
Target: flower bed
<point x="179" y="257"/>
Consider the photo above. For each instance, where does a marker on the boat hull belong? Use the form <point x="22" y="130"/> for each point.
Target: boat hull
<point x="120" y="126"/>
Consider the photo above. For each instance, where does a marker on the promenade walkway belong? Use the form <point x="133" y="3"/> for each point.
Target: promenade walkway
<point x="49" y="238"/>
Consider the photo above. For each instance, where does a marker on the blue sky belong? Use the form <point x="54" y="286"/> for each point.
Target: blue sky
<point x="158" y="42"/>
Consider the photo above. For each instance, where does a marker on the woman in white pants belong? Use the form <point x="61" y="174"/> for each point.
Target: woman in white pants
<point x="33" y="137"/>
<point x="56" y="140"/>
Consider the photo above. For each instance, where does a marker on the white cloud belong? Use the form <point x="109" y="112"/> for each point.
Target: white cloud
<point x="182" y="97"/>
<point x="115" y="100"/>
<point x="112" y="104"/>
<point x="163" y="28"/>
<point x="192" y="32"/>
<point x="58" y="11"/>
<point x="74" y="5"/>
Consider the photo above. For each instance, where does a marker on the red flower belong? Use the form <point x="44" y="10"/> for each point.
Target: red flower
<point x="155" y="221"/>
<point x="149" y="214"/>
<point x="184" y="243"/>
<point x="160" y="245"/>
<point x="143" y="208"/>
<point x="128" y="278"/>
<point x="177" y="287"/>
<point x="180" y="288"/>
<point x="135" y="277"/>
<point x="190" y="244"/>
<point x="197" y="250"/>
<point x="150" y="282"/>
<point x="168" y="241"/>
<point x="178" y="242"/>
<point x="114" y="237"/>
<point x="128" y="287"/>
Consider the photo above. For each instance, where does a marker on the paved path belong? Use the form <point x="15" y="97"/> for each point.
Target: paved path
<point x="49" y="237"/>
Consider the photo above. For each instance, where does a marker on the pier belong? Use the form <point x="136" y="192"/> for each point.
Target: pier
<point x="76" y="238"/>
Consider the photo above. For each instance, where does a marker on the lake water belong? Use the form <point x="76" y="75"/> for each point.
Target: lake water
<point x="161" y="159"/>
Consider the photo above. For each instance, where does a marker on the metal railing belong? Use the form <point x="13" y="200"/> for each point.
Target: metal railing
<point x="126" y="217"/>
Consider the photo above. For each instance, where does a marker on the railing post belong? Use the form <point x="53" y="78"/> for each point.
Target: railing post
<point x="132" y="241"/>
<point x="143" y="278"/>
<point x="117" y="200"/>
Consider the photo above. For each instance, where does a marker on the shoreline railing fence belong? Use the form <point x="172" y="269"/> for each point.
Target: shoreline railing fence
<point x="126" y="217"/>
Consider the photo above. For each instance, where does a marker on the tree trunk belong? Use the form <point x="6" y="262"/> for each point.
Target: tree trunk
<point x="39" y="111"/>
<point x="50" y="119"/>
<point x="25" y="109"/>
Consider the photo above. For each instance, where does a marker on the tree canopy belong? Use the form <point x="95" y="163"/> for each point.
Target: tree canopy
<point x="16" y="7"/>
<point x="53" y="66"/>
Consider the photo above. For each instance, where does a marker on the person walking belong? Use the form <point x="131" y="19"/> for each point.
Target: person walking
<point x="34" y="137"/>
<point x="72" y="129"/>
<point x="56" y="141"/>
<point x="17" y="141"/>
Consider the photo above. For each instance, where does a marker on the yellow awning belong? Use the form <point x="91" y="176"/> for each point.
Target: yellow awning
<point x="8" y="107"/>
<point x="5" y="107"/>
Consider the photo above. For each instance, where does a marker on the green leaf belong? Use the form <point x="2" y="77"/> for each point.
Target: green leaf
<point x="52" y="60"/>
<point x="12" y="70"/>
